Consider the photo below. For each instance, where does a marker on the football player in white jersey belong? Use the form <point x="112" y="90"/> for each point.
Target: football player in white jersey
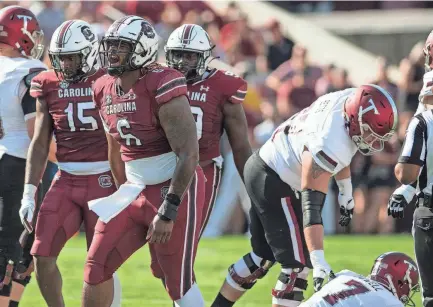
<point x="287" y="180"/>
<point x="21" y="45"/>
<point x="392" y="282"/>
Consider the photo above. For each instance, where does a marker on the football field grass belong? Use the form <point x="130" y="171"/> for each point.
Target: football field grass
<point x="141" y="289"/>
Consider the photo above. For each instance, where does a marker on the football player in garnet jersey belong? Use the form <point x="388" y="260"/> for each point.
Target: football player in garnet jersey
<point x="153" y="151"/>
<point x="392" y="282"/>
<point x="65" y="109"/>
<point x="287" y="180"/>
<point x="21" y="46"/>
<point x="216" y="102"/>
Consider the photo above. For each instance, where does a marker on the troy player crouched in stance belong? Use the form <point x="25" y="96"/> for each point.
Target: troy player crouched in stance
<point x="392" y="282"/>
<point x="216" y="102"/>
<point x="21" y="46"/>
<point x="153" y="152"/>
<point x="65" y="108"/>
<point x="288" y="179"/>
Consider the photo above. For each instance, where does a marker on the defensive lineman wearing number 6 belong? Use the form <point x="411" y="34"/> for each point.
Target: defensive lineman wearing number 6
<point x="288" y="179"/>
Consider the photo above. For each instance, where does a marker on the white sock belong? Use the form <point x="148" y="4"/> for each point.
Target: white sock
<point x="117" y="297"/>
<point x="192" y="298"/>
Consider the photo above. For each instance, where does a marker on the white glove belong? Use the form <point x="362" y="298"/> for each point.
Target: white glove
<point x="321" y="269"/>
<point x="28" y="206"/>
<point x="345" y="200"/>
<point x="398" y="201"/>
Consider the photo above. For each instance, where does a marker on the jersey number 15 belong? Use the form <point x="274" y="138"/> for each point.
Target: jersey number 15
<point x="75" y="112"/>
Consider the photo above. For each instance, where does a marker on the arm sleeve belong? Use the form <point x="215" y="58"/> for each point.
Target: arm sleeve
<point x="28" y="103"/>
<point x="414" y="147"/>
<point x="31" y="90"/>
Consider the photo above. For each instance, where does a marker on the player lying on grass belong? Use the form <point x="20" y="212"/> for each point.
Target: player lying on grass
<point x="392" y="282"/>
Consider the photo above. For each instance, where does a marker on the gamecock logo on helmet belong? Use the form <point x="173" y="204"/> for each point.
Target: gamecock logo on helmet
<point x="147" y="29"/>
<point x="88" y="34"/>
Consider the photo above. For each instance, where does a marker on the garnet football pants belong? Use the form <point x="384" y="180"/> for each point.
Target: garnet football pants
<point x="114" y="242"/>
<point x="65" y="207"/>
<point x="213" y="178"/>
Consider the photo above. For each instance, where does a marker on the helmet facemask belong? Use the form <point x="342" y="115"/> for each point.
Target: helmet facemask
<point x="82" y="66"/>
<point x="182" y="60"/>
<point x="369" y="142"/>
<point x="118" y="55"/>
<point x="37" y="38"/>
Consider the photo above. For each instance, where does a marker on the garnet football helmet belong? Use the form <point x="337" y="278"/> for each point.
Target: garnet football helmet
<point x="20" y="29"/>
<point x="139" y="35"/>
<point x="371" y="118"/>
<point x="428" y="52"/>
<point x="189" y="38"/>
<point x="398" y="273"/>
<point x="73" y="37"/>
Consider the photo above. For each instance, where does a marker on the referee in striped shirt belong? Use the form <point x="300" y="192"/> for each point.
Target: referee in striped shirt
<point x="415" y="171"/>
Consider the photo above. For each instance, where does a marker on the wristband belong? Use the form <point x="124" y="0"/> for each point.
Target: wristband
<point x="345" y="186"/>
<point x="29" y="190"/>
<point x="169" y="207"/>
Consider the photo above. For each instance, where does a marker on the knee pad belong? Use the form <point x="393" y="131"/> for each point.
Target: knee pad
<point x="244" y="273"/>
<point x="156" y="270"/>
<point x="290" y="286"/>
<point x="312" y="204"/>
<point x="95" y="274"/>
<point x="6" y="274"/>
<point x="23" y="270"/>
<point x="6" y="290"/>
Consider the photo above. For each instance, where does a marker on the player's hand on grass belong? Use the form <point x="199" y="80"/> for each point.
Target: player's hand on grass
<point x="321" y="269"/>
<point x="159" y="230"/>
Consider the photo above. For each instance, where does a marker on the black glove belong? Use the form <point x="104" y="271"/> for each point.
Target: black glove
<point x="318" y="282"/>
<point x="396" y="205"/>
<point x="345" y="216"/>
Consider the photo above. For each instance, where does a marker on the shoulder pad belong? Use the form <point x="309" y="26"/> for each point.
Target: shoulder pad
<point x="28" y="79"/>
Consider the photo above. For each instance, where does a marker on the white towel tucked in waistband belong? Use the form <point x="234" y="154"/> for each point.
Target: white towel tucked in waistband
<point x="109" y="207"/>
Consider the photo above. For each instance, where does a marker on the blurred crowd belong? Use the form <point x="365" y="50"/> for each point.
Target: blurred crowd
<point x="282" y="80"/>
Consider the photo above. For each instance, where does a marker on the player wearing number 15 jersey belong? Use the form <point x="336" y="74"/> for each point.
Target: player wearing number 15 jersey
<point x="392" y="282"/>
<point x="65" y="109"/>
<point x="288" y="179"/>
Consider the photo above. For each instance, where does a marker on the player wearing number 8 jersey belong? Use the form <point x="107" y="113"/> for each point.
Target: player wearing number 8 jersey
<point x="216" y="102"/>
<point x="153" y="152"/>
<point x="65" y="109"/>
